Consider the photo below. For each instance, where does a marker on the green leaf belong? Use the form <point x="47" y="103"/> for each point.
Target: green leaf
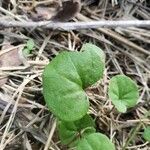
<point x="95" y="141"/>
<point x="28" y="48"/>
<point x="26" y="52"/>
<point x="146" y="134"/>
<point x="123" y="92"/>
<point x="30" y="44"/>
<point x="66" y="77"/>
<point x="70" y="132"/>
<point x="99" y="52"/>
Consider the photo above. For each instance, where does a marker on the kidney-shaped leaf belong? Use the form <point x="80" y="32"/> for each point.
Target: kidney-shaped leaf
<point x="95" y="141"/>
<point x="146" y="134"/>
<point x="69" y="132"/>
<point x="123" y="92"/>
<point x="66" y="77"/>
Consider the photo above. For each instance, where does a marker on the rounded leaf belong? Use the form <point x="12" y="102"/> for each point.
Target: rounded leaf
<point x="95" y="141"/>
<point x="30" y="44"/>
<point x="123" y="92"/>
<point x="66" y="77"/>
<point x="26" y="52"/>
<point x="90" y="47"/>
<point x="69" y="131"/>
<point x="146" y="134"/>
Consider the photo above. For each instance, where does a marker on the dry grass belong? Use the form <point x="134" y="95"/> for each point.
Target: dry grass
<point x="26" y="123"/>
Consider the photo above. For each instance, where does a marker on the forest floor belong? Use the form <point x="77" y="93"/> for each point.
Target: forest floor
<point x="26" y="122"/>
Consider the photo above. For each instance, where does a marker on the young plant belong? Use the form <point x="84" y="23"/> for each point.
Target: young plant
<point x="64" y="81"/>
<point x="66" y="77"/>
<point x="71" y="132"/>
<point x="123" y="92"/>
<point x="82" y="134"/>
<point x="29" y="47"/>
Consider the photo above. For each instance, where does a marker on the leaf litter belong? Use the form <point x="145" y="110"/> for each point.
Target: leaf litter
<point x="11" y="56"/>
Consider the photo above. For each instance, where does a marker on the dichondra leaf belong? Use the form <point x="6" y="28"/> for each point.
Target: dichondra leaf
<point x="123" y="92"/>
<point x="95" y="141"/>
<point x="66" y="77"/>
<point x="70" y="132"/>
<point x="146" y="134"/>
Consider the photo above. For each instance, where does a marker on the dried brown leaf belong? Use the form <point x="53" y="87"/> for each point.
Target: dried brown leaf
<point x="43" y="13"/>
<point x="61" y="13"/>
<point x="42" y="10"/>
<point x="13" y="57"/>
<point x="68" y="11"/>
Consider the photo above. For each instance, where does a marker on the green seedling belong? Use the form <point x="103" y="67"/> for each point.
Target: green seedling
<point x="66" y="77"/>
<point x="29" y="47"/>
<point x="146" y="134"/>
<point x="82" y="135"/>
<point x="123" y="92"/>
<point x="71" y="132"/>
<point x="64" y="81"/>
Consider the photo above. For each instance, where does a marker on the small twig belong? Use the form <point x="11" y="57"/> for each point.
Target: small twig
<point x="132" y="135"/>
<point x="75" y="25"/>
<point x="11" y="14"/>
<point x="139" y="5"/>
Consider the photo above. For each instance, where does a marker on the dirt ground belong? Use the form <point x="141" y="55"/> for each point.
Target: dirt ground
<point x="25" y="121"/>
